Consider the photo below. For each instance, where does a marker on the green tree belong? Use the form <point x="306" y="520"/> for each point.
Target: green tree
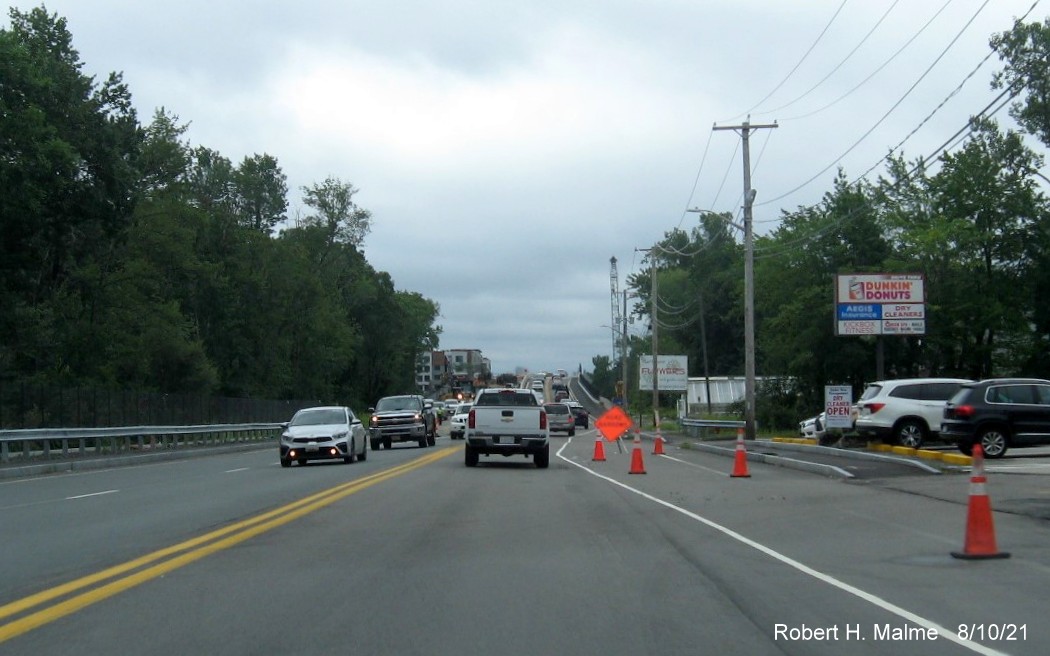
<point x="261" y="190"/>
<point x="68" y="187"/>
<point x="604" y="377"/>
<point x="794" y="299"/>
<point x="1026" y="52"/>
<point x="987" y="207"/>
<point x="335" y="211"/>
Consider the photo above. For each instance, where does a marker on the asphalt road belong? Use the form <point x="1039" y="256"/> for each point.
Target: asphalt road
<point x="411" y="552"/>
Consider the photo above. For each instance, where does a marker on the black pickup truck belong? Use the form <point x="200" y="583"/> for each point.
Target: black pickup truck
<point x="406" y="418"/>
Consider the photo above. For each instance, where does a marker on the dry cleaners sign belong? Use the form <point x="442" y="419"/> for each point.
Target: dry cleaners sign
<point x="880" y="304"/>
<point x="674" y="373"/>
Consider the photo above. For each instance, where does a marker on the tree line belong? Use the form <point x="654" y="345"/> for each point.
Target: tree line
<point x="973" y="221"/>
<point x="130" y="258"/>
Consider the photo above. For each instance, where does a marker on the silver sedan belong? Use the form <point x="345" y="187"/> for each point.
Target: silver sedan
<point x="323" y="433"/>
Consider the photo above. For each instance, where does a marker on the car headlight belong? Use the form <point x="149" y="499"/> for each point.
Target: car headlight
<point x="285" y="437"/>
<point x="340" y="436"/>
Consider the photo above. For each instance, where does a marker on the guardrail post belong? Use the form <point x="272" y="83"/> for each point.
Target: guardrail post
<point x="5" y="455"/>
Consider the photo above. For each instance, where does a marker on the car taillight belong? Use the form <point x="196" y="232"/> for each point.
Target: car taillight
<point x="963" y="411"/>
<point x="543" y="420"/>
<point x="874" y="407"/>
<point x="470" y="419"/>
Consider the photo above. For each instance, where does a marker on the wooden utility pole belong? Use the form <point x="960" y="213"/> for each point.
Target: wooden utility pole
<point x="749" y="277"/>
<point x="656" y="351"/>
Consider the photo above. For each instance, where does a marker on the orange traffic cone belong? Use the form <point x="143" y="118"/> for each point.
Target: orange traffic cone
<point x="658" y="445"/>
<point x="599" y="449"/>
<point x="740" y="459"/>
<point x="637" y="466"/>
<point x="980" y="530"/>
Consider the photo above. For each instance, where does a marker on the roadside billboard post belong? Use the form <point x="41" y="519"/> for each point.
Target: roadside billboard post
<point x="672" y="375"/>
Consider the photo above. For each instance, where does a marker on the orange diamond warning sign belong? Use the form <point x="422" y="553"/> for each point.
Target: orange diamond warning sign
<point x="613" y="423"/>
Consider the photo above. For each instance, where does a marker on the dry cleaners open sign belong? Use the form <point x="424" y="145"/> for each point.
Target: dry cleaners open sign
<point x="838" y="406"/>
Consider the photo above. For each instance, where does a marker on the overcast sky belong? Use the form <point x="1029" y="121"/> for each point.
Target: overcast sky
<point x="507" y="150"/>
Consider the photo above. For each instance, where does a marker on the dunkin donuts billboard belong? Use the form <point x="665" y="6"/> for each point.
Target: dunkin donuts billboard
<point x="880" y="304"/>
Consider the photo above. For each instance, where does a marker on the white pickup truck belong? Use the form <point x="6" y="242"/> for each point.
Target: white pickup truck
<point x="507" y="421"/>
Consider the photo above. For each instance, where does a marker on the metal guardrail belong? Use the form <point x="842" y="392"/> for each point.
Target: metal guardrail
<point x="81" y="442"/>
<point x="701" y="427"/>
<point x="711" y="423"/>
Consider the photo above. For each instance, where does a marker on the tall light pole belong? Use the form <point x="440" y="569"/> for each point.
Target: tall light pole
<point x="656" y="348"/>
<point x="624" y="350"/>
<point x="749" y="279"/>
<point x="703" y="324"/>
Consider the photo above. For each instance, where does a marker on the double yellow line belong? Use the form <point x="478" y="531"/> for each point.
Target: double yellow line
<point x="184" y="553"/>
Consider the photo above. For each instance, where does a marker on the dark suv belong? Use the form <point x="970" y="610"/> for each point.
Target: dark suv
<point x="998" y="414"/>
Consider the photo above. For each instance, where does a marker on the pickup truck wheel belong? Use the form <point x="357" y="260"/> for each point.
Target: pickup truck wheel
<point x="431" y="439"/>
<point x="423" y="442"/>
<point x="386" y="443"/>
<point x="470" y="456"/>
<point x="375" y="443"/>
<point x="543" y="458"/>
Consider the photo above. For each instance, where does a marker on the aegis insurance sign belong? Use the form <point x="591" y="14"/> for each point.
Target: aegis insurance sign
<point x="880" y="304"/>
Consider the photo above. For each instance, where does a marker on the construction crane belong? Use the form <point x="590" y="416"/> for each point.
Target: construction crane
<point x="614" y="283"/>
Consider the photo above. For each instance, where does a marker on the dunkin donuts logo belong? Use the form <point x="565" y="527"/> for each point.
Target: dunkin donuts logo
<point x="882" y="290"/>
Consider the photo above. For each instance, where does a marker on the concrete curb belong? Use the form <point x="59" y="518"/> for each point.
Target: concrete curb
<point x="791" y="463"/>
<point x="848" y="453"/>
<point x="798" y="447"/>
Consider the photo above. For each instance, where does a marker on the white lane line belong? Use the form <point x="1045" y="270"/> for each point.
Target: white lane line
<point x="93" y="494"/>
<point x="879" y="602"/>
<point x="230" y="471"/>
<point x="713" y="471"/>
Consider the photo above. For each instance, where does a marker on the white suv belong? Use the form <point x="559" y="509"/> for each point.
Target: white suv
<point x="906" y="411"/>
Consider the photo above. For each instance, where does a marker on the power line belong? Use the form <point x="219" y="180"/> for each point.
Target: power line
<point x="877" y="70"/>
<point x="779" y="249"/>
<point x="697" y="180"/>
<point x="841" y="63"/>
<point x="949" y="97"/>
<point x="795" y="68"/>
<point x="888" y="112"/>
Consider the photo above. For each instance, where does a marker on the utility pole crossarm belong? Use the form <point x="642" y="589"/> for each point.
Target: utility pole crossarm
<point x="747" y="126"/>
